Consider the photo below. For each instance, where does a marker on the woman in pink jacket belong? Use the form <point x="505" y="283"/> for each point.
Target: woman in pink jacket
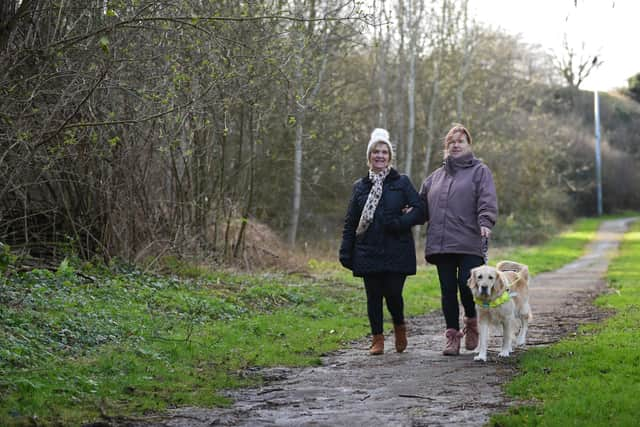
<point x="461" y="209"/>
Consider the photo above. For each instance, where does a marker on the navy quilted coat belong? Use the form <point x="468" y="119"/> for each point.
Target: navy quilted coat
<point x="387" y="245"/>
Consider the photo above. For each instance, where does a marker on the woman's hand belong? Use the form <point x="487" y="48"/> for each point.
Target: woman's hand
<point x="485" y="232"/>
<point x="407" y="209"/>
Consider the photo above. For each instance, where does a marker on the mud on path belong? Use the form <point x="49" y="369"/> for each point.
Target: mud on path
<point x="419" y="387"/>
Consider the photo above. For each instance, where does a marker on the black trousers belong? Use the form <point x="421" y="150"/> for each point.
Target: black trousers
<point x="453" y="272"/>
<point x="388" y="286"/>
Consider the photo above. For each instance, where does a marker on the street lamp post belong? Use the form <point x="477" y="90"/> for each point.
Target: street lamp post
<point x="596" y="109"/>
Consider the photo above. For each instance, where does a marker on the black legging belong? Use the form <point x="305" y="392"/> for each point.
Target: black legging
<point x="389" y="286"/>
<point x="453" y="272"/>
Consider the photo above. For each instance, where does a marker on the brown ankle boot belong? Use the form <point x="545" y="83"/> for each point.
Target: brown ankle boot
<point x="452" y="348"/>
<point x="377" y="345"/>
<point x="401" y="337"/>
<point x="471" y="333"/>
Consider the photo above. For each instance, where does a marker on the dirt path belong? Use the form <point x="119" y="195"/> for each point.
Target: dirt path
<point x="419" y="387"/>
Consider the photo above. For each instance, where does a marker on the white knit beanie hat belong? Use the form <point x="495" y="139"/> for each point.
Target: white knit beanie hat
<point x="379" y="135"/>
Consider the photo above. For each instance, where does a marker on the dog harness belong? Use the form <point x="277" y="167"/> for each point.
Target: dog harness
<point x="495" y="303"/>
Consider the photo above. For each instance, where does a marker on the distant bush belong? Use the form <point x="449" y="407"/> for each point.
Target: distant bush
<point x="634" y="87"/>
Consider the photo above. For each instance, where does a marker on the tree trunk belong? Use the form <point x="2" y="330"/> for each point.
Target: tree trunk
<point x="411" y="94"/>
<point x="303" y="101"/>
<point x="435" y="91"/>
<point x="297" y="178"/>
<point x="414" y="18"/>
<point x="399" y="103"/>
<point x="381" y="65"/>
<point x="464" y="66"/>
<point x="239" y="244"/>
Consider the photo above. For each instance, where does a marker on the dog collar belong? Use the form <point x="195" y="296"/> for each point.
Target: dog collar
<point x="495" y="303"/>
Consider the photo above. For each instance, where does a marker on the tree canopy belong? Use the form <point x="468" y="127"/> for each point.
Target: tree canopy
<point x="136" y="128"/>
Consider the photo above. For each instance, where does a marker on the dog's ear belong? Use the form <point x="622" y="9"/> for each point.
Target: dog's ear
<point x="502" y="282"/>
<point x="471" y="283"/>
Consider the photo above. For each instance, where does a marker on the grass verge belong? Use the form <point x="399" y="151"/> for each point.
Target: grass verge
<point x="591" y="379"/>
<point x="560" y="250"/>
<point x="77" y="347"/>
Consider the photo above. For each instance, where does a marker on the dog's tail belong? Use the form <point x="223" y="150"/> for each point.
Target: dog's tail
<point x="521" y="269"/>
<point x="507" y="265"/>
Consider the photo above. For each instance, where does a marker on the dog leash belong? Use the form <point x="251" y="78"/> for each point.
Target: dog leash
<point x="485" y="250"/>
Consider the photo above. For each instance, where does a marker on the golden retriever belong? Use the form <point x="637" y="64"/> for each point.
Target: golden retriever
<point x="502" y="297"/>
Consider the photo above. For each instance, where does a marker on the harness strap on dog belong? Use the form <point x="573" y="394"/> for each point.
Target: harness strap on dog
<point x="495" y="303"/>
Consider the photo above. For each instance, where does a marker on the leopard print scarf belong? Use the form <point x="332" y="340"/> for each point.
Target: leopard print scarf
<point x="372" y="200"/>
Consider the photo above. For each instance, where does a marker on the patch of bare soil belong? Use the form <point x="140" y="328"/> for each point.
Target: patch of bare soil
<point x="419" y="387"/>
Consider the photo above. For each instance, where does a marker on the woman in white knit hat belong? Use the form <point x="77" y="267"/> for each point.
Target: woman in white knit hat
<point x="377" y="243"/>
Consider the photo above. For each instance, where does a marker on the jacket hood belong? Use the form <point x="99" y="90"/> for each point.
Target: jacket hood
<point x="452" y="164"/>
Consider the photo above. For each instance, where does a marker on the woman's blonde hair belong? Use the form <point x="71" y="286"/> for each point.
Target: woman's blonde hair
<point x="457" y="128"/>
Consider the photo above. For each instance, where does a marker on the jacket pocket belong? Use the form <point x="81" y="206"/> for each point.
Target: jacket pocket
<point x="470" y="224"/>
<point x="367" y="251"/>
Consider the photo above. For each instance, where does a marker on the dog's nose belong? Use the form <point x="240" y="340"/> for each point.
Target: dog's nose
<point x="484" y="290"/>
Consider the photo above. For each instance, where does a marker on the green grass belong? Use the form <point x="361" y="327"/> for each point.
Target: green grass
<point x="591" y="379"/>
<point x="130" y="343"/>
<point x="127" y="343"/>
<point x="421" y="292"/>
<point x="555" y="253"/>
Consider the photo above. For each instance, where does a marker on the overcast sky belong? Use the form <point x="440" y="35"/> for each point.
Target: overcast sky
<point x="606" y="27"/>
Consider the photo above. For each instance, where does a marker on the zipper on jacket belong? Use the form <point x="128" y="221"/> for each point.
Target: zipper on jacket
<point x="444" y="219"/>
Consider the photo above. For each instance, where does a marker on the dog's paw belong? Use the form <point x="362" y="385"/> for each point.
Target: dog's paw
<point x="480" y="358"/>
<point x="504" y="353"/>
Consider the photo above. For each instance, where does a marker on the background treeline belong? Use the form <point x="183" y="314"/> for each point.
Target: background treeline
<point x="138" y="128"/>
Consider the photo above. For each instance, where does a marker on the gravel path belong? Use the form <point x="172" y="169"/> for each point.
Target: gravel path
<point x="419" y="387"/>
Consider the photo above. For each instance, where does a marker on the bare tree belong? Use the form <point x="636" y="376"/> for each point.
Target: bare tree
<point x="576" y="65"/>
<point x="467" y="52"/>
<point x="439" y="45"/>
<point x="399" y="101"/>
<point x="139" y="128"/>
<point x="414" y="22"/>
<point x="311" y="53"/>
<point x="382" y="45"/>
<point x="126" y="127"/>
